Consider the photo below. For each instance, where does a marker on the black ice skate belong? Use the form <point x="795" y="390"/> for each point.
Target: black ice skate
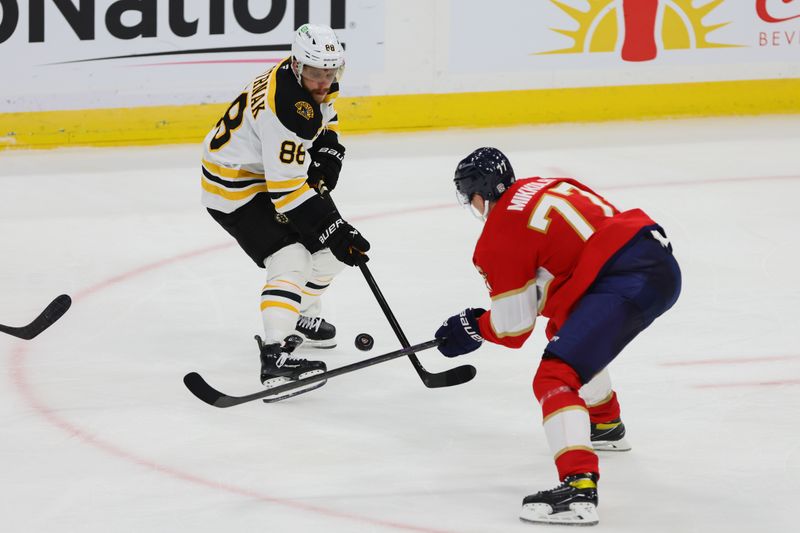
<point x="279" y="367"/>
<point x="316" y="332"/>
<point x="573" y="503"/>
<point x="610" y="437"/>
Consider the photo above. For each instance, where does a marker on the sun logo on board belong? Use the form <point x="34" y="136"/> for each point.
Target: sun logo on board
<point x="634" y="28"/>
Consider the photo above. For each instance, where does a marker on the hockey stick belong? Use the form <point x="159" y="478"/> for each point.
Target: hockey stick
<point x="448" y="378"/>
<point x="51" y="313"/>
<point x="205" y="392"/>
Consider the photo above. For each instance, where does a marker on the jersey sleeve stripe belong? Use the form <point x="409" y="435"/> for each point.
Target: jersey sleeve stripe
<point x="294" y="199"/>
<point x="230" y="173"/>
<point x="228" y="183"/>
<point x="286" y="185"/>
<point x="504" y="334"/>
<point x="514" y="312"/>
<point x="514" y="292"/>
<point x="273" y="86"/>
<point x="217" y="190"/>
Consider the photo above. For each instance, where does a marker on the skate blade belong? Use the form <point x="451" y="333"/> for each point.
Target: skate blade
<point x="272" y="383"/>
<point x="620" y="445"/>
<point x="579" y="514"/>
<point x="320" y="345"/>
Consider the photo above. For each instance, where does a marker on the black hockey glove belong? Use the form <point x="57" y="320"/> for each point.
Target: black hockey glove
<point x="344" y="241"/>
<point x="461" y="333"/>
<point x="326" y="162"/>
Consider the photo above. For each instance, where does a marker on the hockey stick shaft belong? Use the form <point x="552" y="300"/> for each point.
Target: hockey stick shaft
<point x="46" y="318"/>
<point x="454" y="376"/>
<point x="448" y="378"/>
<point x="205" y="392"/>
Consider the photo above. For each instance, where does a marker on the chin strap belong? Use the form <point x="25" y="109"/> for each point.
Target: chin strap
<point x="478" y="214"/>
<point x="297" y="70"/>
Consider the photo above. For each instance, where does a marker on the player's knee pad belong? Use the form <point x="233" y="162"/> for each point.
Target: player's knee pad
<point x="291" y="263"/>
<point x="324" y="265"/>
<point x="554" y="377"/>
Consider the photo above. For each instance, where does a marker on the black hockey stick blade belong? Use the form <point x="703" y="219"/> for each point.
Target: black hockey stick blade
<point x="448" y="378"/>
<point x="208" y="394"/>
<point x="46" y="318"/>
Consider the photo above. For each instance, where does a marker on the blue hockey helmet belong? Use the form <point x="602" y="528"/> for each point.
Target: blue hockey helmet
<point x="486" y="172"/>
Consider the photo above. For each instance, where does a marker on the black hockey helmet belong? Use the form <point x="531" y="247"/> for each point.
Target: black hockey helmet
<point x="487" y="172"/>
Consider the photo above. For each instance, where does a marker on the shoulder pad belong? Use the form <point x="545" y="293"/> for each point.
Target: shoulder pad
<point x="294" y="106"/>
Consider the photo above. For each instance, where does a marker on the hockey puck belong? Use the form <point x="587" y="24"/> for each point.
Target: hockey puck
<point x="364" y="342"/>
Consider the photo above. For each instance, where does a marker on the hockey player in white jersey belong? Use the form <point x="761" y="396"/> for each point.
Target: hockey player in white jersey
<point x="267" y="166"/>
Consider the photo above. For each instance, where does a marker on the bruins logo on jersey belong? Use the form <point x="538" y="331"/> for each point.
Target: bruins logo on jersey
<point x="304" y="109"/>
<point x="290" y="101"/>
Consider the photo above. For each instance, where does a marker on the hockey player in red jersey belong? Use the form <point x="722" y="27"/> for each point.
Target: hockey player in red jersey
<point x="552" y="247"/>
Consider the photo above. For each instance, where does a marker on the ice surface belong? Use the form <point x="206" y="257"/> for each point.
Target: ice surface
<point x="98" y="434"/>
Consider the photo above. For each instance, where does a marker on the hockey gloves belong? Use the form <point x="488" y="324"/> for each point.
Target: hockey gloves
<point x="326" y="162"/>
<point x="346" y="243"/>
<point x="461" y="333"/>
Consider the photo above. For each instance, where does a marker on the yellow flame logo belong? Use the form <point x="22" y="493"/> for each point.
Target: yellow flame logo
<point x="630" y="26"/>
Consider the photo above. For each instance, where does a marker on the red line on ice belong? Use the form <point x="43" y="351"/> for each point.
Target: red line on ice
<point x="732" y="360"/>
<point x="20" y="379"/>
<point x="208" y="62"/>
<point x="770" y="383"/>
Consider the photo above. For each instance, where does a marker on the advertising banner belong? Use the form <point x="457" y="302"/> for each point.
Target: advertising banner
<point x="577" y="43"/>
<point x="75" y="54"/>
<point x="104" y="72"/>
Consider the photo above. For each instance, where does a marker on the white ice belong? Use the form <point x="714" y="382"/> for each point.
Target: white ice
<point x="98" y="433"/>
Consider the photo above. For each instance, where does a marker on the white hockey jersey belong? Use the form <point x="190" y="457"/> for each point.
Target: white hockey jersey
<point x="260" y="143"/>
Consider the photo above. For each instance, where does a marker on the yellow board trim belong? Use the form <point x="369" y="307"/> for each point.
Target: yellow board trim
<point x="189" y="124"/>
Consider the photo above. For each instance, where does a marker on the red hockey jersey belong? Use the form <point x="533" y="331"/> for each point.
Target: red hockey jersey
<point x="542" y="246"/>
